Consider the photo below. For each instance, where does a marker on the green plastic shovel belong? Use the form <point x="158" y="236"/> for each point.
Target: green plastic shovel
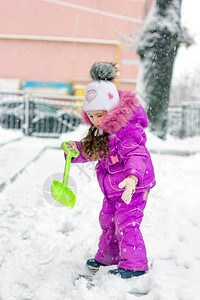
<point x="59" y="190"/>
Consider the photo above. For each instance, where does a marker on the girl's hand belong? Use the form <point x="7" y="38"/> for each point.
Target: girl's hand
<point x="71" y="146"/>
<point x="129" y="183"/>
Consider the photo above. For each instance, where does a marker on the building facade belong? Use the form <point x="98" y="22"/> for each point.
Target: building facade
<point x="58" y="40"/>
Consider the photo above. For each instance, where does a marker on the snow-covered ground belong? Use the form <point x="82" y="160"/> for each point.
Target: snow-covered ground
<point x="43" y="246"/>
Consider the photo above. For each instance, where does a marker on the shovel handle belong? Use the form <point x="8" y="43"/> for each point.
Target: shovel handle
<point x="70" y="153"/>
<point x="69" y="156"/>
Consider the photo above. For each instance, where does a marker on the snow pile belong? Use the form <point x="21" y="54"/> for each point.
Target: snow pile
<point x="43" y="246"/>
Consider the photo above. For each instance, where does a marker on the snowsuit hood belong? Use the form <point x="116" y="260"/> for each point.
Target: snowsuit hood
<point x="128" y="110"/>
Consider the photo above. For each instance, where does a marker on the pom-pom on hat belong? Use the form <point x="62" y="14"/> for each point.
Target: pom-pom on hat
<point x="101" y="94"/>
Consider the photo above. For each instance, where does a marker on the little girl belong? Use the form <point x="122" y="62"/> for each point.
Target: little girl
<point x="116" y="140"/>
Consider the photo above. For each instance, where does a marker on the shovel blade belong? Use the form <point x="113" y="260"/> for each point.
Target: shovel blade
<point x="63" y="194"/>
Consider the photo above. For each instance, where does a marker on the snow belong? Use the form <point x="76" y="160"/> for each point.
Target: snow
<point x="9" y="135"/>
<point x="44" y="246"/>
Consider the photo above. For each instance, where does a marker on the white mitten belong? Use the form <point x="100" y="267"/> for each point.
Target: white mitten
<point x="129" y="183"/>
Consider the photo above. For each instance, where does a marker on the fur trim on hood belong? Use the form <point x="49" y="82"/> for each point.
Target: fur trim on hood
<point x="121" y="114"/>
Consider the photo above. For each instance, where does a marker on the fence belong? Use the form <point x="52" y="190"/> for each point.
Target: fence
<point x="39" y="116"/>
<point x="184" y="121"/>
<point x="55" y="115"/>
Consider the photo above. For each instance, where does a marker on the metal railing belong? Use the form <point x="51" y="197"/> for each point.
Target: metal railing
<point x="184" y="121"/>
<point x="47" y="115"/>
<point x="40" y="115"/>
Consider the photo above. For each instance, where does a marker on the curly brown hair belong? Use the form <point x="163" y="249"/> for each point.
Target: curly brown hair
<point x="95" y="145"/>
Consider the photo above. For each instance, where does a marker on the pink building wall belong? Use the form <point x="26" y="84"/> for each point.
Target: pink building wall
<point x="60" y="61"/>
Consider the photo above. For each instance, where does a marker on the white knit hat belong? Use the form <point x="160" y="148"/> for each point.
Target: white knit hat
<point x="101" y="94"/>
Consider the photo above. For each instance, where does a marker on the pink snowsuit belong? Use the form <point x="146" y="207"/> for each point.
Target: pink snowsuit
<point x="121" y="241"/>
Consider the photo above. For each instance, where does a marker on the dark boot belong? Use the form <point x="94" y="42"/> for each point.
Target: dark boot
<point x="93" y="264"/>
<point x="123" y="273"/>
